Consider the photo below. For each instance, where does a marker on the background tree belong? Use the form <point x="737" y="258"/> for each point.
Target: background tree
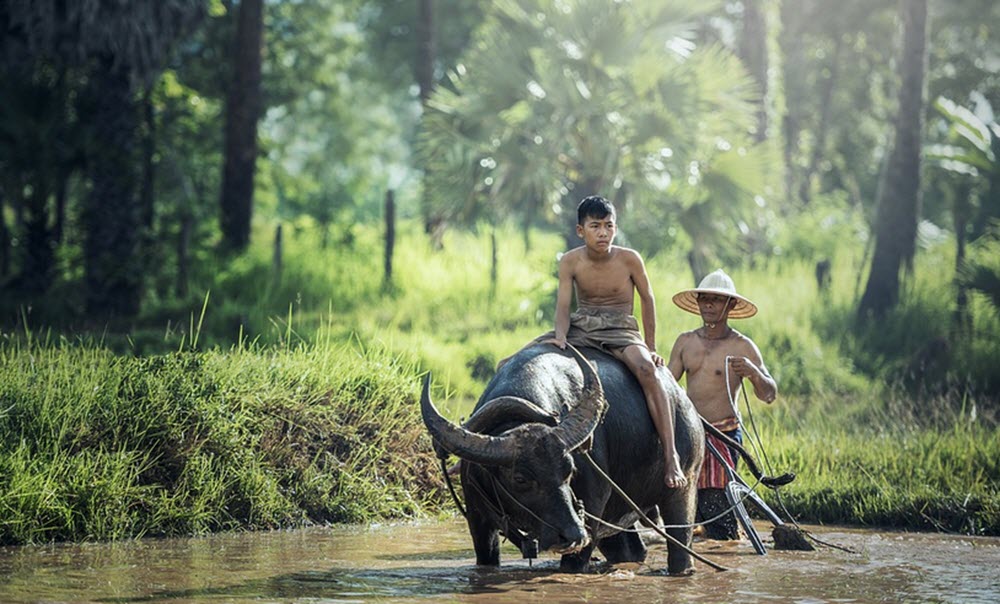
<point x="899" y="202"/>
<point x="835" y="60"/>
<point x="969" y="155"/>
<point x="753" y="53"/>
<point x="417" y="43"/>
<point x="243" y="107"/>
<point x="113" y="55"/>
<point x="552" y="105"/>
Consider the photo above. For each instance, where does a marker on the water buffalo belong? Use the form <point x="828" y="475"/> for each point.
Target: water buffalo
<point x="523" y="474"/>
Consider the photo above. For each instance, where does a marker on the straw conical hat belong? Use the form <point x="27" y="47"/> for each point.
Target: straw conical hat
<point x="716" y="282"/>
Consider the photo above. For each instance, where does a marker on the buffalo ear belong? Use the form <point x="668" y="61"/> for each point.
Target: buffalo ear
<point x="507" y="409"/>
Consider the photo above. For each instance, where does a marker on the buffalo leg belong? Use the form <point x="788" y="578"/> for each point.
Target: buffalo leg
<point x="623" y="547"/>
<point x="485" y="534"/>
<point x="679" y="509"/>
<point x="486" y="541"/>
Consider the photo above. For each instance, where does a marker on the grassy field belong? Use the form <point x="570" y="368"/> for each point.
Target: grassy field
<point x="273" y="400"/>
<point x="99" y="446"/>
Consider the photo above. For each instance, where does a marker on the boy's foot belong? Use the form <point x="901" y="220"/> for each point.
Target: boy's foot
<point x="674" y="477"/>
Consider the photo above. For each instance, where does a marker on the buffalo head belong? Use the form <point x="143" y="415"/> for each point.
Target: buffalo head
<point x="518" y="462"/>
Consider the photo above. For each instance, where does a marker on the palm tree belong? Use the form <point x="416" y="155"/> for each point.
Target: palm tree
<point x="972" y="154"/>
<point x="556" y="101"/>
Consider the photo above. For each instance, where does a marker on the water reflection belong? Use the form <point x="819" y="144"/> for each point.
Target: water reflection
<point x="417" y="562"/>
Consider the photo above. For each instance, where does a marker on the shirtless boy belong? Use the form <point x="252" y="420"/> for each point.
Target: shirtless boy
<point x="707" y="355"/>
<point x="606" y="278"/>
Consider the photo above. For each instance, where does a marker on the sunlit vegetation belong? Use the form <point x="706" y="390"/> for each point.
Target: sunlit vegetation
<point x="99" y="446"/>
<point x="314" y="418"/>
<point x="198" y="332"/>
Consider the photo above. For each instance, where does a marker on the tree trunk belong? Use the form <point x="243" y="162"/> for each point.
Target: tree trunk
<point x="276" y="259"/>
<point x="424" y="73"/>
<point x="110" y="215"/>
<point x="989" y="200"/>
<point x="243" y="106"/>
<point x="324" y="241"/>
<point x="899" y="202"/>
<point x="494" y="263"/>
<point x="37" y="257"/>
<point x="427" y="49"/>
<point x="793" y="74"/>
<point x="184" y="254"/>
<point x="753" y="52"/>
<point x="961" y="209"/>
<point x="62" y="189"/>
<point x="698" y="263"/>
<point x="390" y="236"/>
<point x="147" y="194"/>
<point x="4" y="242"/>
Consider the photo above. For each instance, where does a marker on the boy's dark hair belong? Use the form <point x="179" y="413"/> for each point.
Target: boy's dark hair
<point x="595" y="206"/>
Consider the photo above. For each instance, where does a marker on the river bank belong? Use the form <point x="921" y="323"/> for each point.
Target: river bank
<point x="96" y="446"/>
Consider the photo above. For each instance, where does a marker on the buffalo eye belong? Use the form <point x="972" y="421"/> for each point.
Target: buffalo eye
<point x="520" y="480"/>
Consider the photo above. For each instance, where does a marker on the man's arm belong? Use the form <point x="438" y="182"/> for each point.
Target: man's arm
<point x="647" y="303"/>
<point x="564" y="296"/>
<point x="675" y="364"/>
<point x="752" y="367"/>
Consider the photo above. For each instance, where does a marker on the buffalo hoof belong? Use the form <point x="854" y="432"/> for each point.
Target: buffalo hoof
<point x="574" y="563"/>
<point x="686" y="572"/>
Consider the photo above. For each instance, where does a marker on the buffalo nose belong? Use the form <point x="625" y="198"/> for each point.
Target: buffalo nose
<point x="574" y="540"/>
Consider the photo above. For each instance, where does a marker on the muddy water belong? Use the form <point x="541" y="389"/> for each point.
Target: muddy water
<point x="433" y="561"/>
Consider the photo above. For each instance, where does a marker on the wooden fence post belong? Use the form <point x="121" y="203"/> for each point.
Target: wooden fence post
<point x="390" y="236"/>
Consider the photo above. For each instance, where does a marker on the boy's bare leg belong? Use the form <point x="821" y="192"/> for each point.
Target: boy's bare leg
<point x="640" y="362"/>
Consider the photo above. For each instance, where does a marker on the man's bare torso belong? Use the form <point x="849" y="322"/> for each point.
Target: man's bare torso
<point x="704" y="361"/>
<point x="605" y="283"/>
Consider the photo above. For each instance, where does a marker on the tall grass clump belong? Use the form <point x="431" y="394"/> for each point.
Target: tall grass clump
<point x="894" y="465"/>
<point x="99" y="446"/>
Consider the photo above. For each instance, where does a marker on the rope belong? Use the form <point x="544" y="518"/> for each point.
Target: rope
<point x="646" y="519"/>
<point x="762" y="452"/>
<point x="728" y="510"/>
<point x="454" y="496"/>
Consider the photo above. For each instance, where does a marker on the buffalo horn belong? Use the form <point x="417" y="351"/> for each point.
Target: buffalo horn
<point x="587" y="413"/>
<point x="507" y="409"/>
<point x="479" y="448"/>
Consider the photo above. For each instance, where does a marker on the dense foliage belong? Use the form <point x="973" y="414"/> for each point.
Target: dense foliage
<point x="98" y="446"/>
<point x="750" y="134"/>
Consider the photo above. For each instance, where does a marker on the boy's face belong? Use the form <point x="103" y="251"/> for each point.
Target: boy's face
<point x="598" y="233"/>
<point x="715" y="308"/>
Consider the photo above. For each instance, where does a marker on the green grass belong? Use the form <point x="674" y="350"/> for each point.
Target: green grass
<point x="99" y="446"/>
<point x="292" y="399"/>
<point x="886" y="463"/>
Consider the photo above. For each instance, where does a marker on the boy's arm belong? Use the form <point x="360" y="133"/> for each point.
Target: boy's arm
<point x="648" y="305"/>
<point x="564" y="296"/>
<point x="752" y="367"/>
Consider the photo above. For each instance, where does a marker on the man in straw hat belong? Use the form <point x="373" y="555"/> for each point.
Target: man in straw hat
<point x="716" y="358"/>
